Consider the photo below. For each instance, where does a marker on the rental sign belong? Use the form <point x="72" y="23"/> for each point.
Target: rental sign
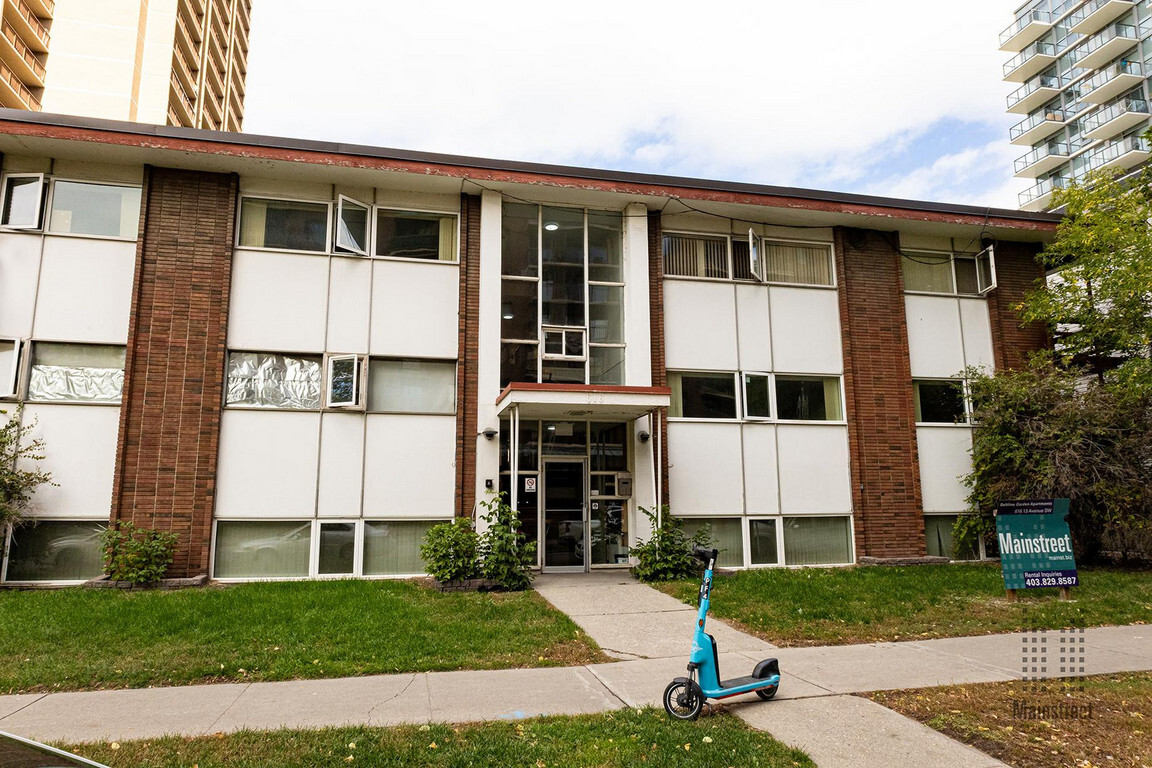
<point x="1035" y="544"/>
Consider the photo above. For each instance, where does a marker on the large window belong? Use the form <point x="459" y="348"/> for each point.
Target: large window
<point x="83" y="373"/>
<point x="702" y="395"/>
<point x="696" y="256"/>
<point x="939" y="402"/>
<point x="408" y="235"/>
<point x="288" y="224"/>
<point x="55" y="550"/>
<point x="262" y="550"/>
<point x="808" y="398"/>
<point x="800" y="263"/>
<point x="740" y="258"/>
<point x="392" y="547"/>
<point x="412" y="386"/>
<point x="106" y="210"/>
<point x="727" y="536"/>
<point x="716" y="395"/>
<point x="963" y="274"/>
<point x="562" y="299"/>
<point x="817" y="540"/>
<point x="272" y="380"/>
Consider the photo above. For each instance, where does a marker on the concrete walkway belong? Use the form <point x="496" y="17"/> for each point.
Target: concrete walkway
<point x="814" y="710"/>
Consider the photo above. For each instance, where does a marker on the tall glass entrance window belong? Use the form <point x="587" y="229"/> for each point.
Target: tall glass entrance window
<point x="562" y="295"/>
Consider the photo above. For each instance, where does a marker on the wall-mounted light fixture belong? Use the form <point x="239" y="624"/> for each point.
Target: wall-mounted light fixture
<point x="489" y="434"/>
<point x="551" y="226"/>
<point x="644" y="437"/>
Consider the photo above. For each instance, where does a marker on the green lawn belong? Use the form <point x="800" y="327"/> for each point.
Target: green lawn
<point x="624" y="738"/>
<point x="74" y="639"/>
<point x="832" y="606"/>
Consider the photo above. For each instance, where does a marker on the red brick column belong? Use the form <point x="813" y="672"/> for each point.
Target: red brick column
<point x="889" y="517"/>
<point x="1017" y="273"/>
<point x="469" y="354"/>
<point x="174" y="369"/>
<point x="656" y="319"/>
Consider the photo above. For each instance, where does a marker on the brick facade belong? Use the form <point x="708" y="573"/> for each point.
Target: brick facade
<point x="469" y="355"/>
<point x="881" y="415"/>
<point x="656" y="310"/>
<point x="173" y="379"/>
<point x="1017" y="272"/>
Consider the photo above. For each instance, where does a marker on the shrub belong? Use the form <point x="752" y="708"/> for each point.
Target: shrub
<point x="449" y="551"/>
<point x="135" y="554"/>
<point x="18" y="484"/>
<point x="667" y="555"/>
<point x="507" y="557"/>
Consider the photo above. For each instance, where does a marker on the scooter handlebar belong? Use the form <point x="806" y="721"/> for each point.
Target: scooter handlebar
<point x="706" y="555"/>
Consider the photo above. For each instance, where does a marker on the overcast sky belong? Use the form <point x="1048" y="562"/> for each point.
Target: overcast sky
<point x="900" y="98"/>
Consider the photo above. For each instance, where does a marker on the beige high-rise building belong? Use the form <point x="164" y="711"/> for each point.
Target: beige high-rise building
<point x="174" y="62"/>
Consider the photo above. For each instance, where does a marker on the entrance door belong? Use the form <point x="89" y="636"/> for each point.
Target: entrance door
<point x="565" y="516"/>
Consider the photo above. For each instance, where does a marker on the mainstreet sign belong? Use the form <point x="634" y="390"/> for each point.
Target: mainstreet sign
<point x="1035" y="544"/>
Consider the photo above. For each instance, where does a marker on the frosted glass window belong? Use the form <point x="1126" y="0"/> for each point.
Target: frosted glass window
<point x="762" y="537"/>
<point x="270" y="380"/>
<point x="89" y="373"/>
<point x="95" y="209"/>
<point x="52" y="550"/>
<point x="727" y="536"/>
<point x="393" y="547"/>
<point x="816" y="540"/>
<point x="929" y="272"/>
<point x="412" y="386"/>
<point x="796" y="263"/>
<point x="256" y="549"/>
<point x="337" y="548"/>
<point x="428" y="236"/>
<point x="289" y="224"/>
<point x="808" y="398"/>
<point x="22" y="201"/>
<point x="702" y="395"/>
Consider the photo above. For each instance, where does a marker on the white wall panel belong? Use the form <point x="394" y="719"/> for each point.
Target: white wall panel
<point x="409" y="467"/>
<point x="977" y="333"/>
<point x="934" y="336"/>
<point x="341" y="464"/>
<point x="19" y="262"/>
<point x="814" y="474"/>
<point x="760" y="475"/>
<point x="754" y="328"/>
<point x="806" y="330"/>
<point x="85" y="290"/>
<point x="80" y="452"/>
<point x="699" y="325"/>
<point x="349" y="295"/>
<point x="268" y="464"/>
<point x="415" y="309"/>
<point x="637" y="316"/>
<point x="704" y="474"/>
<point x="945" y="456"/>
<point x="279" y="302"/>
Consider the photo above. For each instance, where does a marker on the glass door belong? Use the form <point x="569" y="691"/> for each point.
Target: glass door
<point x="565" y="515"/>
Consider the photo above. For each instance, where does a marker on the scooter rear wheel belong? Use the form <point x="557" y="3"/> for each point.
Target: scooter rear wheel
<point x="682" y="702"/>
<point x="767" y="693"/>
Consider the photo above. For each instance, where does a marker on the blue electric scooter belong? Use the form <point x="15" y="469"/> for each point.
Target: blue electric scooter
<point x="684" y="697"/>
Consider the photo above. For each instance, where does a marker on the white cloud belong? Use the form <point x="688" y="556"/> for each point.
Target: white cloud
<point x="756" y="91"/>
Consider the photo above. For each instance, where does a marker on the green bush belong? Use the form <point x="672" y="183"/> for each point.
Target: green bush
<point x="449" y="551"/>
<point x="506" y="556"/>
<point x="135" y="554"/>
<point x="667" y="555"/>
<point x="18" y="480"/>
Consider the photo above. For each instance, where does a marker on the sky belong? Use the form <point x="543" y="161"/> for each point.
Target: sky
<point x="900" y="98"/>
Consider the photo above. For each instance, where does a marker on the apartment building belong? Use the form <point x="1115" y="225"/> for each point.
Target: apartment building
<point x="300" y="355"/>
<point x="173" y="62"/>
<point x="1083" y="68"/>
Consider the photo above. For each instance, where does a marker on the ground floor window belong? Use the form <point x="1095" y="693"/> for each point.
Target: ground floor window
<point x="939" y="541"/>
<point x="727" y="536"/>
<point x="762" y="540"/>
<point x="393" y="546"/>
<point x="817" y="540"/>
<point x="55" y="550"/>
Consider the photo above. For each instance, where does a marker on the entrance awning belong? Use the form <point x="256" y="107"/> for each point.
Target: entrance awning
<point x="581" y="402"/>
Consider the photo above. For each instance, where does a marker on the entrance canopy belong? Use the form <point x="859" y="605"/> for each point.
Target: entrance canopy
<point x="581" y="402"/>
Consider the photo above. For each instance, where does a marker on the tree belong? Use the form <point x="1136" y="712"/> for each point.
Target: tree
<point x="18" y="480"/>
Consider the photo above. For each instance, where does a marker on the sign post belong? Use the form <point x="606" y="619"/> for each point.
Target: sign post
<point x="1036" y="545"/>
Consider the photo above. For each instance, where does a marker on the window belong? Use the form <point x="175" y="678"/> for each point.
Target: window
<point x="963" y="274"/>
<point x="288" y="224"/>
<point x="337" y="555"/>
<point x="938" y="538"/>
<point x="727" y="536"/>
<point x="939" y="402"/>
<point x="817" y="540"/>
<point x="85" y="373"/>
<point x="800" y="263"/>
<point x="55" y="550"/>
<point x="695" y="256"/>
<point x="392" y="547"/>
<point x="23" y="195"/>
<point x="344" y="381"/>
<point x="762" y="537"/>
<point x="272" y="380"/>
<point x="406" y="235"/>
<point x="564" y="344"/>
<point x="9" y="366"/>
<point x="702" y="395"/>
<point x="412" y="386"/>
<point x="351" y="226"/>
<point x="81" y="208"/>
<point x="757" y="401"/>
<point x="260" y="549"/>
<point x="808" y="398"/>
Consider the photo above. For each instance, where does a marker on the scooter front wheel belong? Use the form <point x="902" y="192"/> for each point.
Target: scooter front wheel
<point x="682" y="702"/>
<point x="767" y="693"/>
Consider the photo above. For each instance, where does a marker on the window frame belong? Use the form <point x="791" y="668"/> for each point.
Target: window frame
<point x="375" y="214"/>
<point x="229" y="351"/>
<point x="843" y="420"/>
<point x="239" y="228"/>
<point x="981" y="290"/>
<point x="829" y="247"/>
<point x="50" y="201"/>
<point x="25" y="384"/>
<point x="13" y="380"/>
<point x="318" y="524"/>
<point x="964" y="395"/>
<point x="737" y="388"/>
<point x="359" y="376"/>
<point x="745" y="415"/>
<point x="757" y="262"/>
<point x="443" y="360"/>
<point x="564" y="330"/>
<point x="851" y="537"/>
<point x="6" y="535"/>
<point x="41" y="199"/>
<point x="341" y="249"/>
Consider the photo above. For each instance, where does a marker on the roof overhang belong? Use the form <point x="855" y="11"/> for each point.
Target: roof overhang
<point x="581" y="402"/>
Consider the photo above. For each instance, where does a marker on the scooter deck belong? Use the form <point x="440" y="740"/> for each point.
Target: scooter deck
<point x="736" y="682"/>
